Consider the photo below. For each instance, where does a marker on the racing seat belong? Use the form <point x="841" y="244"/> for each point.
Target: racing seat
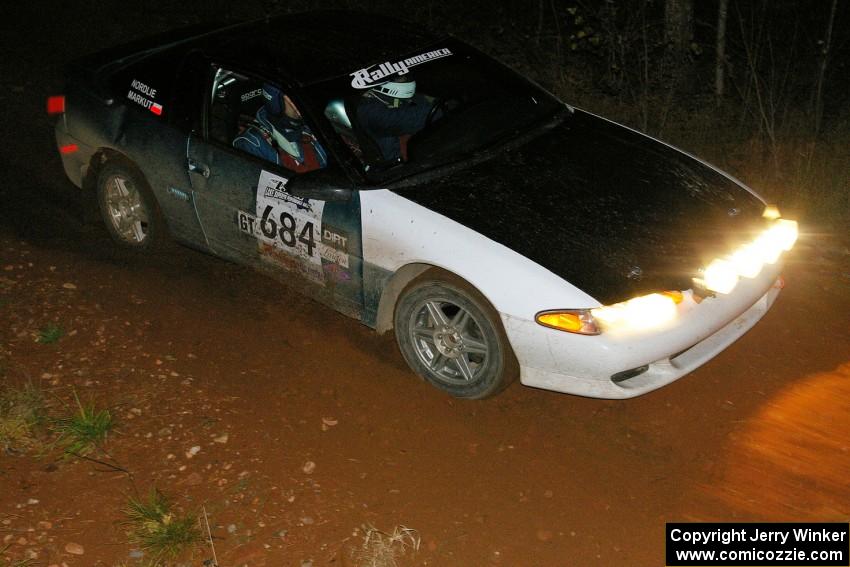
<point x="247" y="107"/>
<point x="370" y="153"/>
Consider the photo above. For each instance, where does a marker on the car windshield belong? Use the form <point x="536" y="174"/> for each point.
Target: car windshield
<point x="429" y="108"/>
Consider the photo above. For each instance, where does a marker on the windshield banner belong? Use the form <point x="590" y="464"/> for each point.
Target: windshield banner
<point x="377" y="74"/>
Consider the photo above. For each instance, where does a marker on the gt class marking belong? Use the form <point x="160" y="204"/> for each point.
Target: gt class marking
<point x="247" y="222"/>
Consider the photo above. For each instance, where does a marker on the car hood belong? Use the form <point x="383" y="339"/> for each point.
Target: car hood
<point x="612" y="211"/>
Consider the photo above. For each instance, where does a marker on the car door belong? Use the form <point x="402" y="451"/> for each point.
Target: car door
<point x="249" y="216"/>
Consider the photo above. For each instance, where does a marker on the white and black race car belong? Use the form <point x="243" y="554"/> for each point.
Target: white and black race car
<point x="411" y="182"/>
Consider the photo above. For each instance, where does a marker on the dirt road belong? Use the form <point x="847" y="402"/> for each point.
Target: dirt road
<point x="310" y="426"/>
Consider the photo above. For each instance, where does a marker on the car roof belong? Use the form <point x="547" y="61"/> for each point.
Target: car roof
<point x="313" y="46"/>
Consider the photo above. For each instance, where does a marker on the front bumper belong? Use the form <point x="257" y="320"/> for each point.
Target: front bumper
<point x="584" y="365"/>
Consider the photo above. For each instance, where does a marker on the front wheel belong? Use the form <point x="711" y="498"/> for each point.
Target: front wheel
<point x="451" y="336"/>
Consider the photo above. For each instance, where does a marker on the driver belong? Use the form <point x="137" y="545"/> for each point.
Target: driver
<point x="391" y="112"/>
<point x="279" y="135"/>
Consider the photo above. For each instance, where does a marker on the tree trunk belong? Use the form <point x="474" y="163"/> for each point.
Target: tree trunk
<point x="827" y="44"/>
<point x="678" y="35"/>
<point x="720" y="62"/>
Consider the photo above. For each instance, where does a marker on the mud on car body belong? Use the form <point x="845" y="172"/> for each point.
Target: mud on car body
<point x="512" y="235"/>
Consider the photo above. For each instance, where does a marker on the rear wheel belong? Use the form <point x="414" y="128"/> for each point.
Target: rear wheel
<point x="128" y="208"/>
<point x="451" y="336"/>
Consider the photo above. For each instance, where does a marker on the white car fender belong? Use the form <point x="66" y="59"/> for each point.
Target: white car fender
<point x="398" y="232"/>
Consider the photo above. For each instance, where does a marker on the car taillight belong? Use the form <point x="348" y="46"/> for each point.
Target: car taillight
<point x="56" y="104"/>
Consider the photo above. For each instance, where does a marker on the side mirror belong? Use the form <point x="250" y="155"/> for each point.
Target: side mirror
<point x="328" y="184"/>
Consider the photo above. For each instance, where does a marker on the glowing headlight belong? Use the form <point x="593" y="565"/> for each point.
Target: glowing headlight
<point x="642" y="312"/>
<point x="720" y="276"/>
<point x="785" y="232"/>
<point x="768" y="248"/>
<point x="771" y="212"/>
<point x="748" y="261"/>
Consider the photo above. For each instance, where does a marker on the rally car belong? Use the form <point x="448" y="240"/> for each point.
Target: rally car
<point x="417" y="185"/>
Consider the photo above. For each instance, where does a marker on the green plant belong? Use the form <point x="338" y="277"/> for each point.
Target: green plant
<point x="158" y="531"/>
<point x="22" y="411"/>
<point x="85" y="430"/>
<point x="50" y="334"/>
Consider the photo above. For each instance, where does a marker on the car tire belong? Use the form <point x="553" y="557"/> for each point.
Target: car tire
<point x="451" y="336"/>
<point x="128" y="208"/>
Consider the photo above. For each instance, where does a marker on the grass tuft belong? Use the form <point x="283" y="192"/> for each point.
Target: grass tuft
<point x="50" y="334"/>
<point x="22" y="411"/>
<point x="382" y="549"/>
<point x="14" y="563"/>
<point x="158" y="531"/>
<point x="84" y="431"/>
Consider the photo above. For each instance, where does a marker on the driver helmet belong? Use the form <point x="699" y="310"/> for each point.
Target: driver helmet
<point x="399" y="88"/>
<point x="275" y="107"/>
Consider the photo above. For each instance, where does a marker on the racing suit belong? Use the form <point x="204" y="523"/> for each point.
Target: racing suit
<point x="387" y="125"/>
<point x="293" y="147"/>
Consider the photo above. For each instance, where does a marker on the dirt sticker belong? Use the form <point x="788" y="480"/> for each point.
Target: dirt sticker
<point x="334" y="245"/>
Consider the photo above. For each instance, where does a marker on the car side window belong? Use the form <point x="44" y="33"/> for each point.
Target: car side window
<point x="259" y="119"/>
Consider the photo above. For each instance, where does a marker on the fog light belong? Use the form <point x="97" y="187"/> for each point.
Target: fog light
<point x="747" y="261"/>
<point x="721" y="276"/>
<point x="785" y="231"/>
<point x="628" y="374"/>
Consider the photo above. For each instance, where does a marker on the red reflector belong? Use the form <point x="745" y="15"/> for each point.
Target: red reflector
<point x="156" y="109"/>
<point x="68" y="148"/>
<point x="56" y="104"/>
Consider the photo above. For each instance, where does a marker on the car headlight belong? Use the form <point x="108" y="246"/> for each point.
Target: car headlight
<point x="784" y="232"/>
<point x="644" y="312"/>
<point x="722" y="274"/>
<point x="654" y="310"/>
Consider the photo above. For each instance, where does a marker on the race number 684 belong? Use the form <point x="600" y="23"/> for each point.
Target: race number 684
<point x="284" y="228"/>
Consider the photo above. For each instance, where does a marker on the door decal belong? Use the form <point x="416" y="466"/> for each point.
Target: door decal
<point x="290" y="231"/>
